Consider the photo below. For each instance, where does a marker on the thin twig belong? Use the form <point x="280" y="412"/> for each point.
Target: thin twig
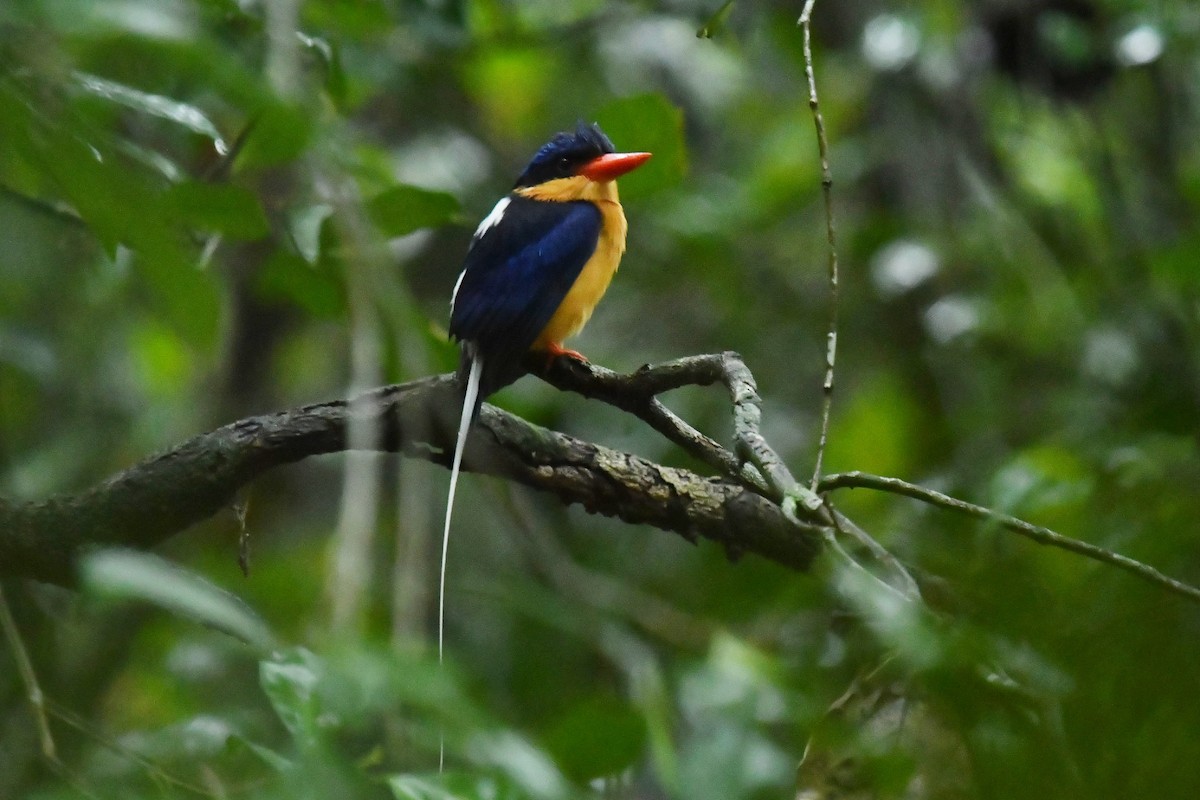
<point x="851" y="529"/>
<point x="831" y="337"/>
<point x="863" y="480"/>
<point x="153" y="770"/>
<point x="37" y="700"/>
<point x="909" y="593"/>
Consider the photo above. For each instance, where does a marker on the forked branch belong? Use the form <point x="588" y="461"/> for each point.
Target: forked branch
<point x="755" y="507"/>
<point x="637" y="391"/>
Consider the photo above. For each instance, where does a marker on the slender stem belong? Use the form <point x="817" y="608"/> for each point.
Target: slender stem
<point x="153" y="770"/>
<point x="849" y="528"/>
<point x="37" y="700"/>
<point x="863" y="480"/>
<point x="831" y="336"/>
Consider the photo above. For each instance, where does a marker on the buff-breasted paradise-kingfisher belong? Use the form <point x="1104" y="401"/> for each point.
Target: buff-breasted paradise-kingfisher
<point x="536" y="268"/>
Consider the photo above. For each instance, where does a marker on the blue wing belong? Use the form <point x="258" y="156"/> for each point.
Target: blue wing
<point x="516" y="275"/>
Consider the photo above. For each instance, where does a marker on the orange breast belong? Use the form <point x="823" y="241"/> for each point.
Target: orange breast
<point x="577" y="307"/>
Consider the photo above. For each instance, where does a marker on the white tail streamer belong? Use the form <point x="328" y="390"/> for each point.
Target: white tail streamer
<point x="464" y="425"/>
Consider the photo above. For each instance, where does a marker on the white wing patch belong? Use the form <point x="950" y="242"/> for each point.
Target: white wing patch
<point x="489" y="222"/>
<point x="457" y="284"/>
<point x="492" y="219"/>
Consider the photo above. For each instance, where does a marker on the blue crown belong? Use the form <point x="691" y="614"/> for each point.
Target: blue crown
<point x="562" y="156"/>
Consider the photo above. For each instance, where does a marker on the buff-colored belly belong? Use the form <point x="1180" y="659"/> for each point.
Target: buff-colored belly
<point x="581" y="299"/>
<point x="577" y="307"/>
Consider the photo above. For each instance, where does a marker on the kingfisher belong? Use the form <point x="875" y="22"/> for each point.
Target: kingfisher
<point x="536" y="268"/>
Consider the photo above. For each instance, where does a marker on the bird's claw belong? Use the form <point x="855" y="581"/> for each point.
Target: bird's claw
<point x="554" y="351"/>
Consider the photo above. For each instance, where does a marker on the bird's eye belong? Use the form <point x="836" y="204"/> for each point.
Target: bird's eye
<point x="564" y="161"/>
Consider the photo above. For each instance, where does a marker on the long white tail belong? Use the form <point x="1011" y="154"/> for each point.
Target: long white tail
<point x="464" y="425"/>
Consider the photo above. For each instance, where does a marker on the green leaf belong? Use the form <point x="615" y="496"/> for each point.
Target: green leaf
<point x="219" y="208"/>
<point x="403" y="209"/>
<point x="352" y="19"/>
<point x="312" y="287"/>
<point x="180" y="113"/>
<point x="129" y="575"/>
<point x="268" y="756"/>
<point x="278" y="136"/>
<point x="331" y="59"/>
<point x="716" y="22"/>
<point x="151" y="159"/>
<point x="121" y="206"/>
<point x="600" y="736"/>
<point x="528" y="767"/>
<point x="203" y="737"/>
<point x="164" y="360"/>
<point x="290" y="680"/>
<point x="647" y="122"/>
<point x="184" y="296"/>
<point x="305" y="225"/>
<point x="271" y="758"/>
<point x="413" y="787"/>
<point x="453" y="786"/>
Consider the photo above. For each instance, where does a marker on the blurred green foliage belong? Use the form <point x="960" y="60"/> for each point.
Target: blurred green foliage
<point x="213" y="208"/>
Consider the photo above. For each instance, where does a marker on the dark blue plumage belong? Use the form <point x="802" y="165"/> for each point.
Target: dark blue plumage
<point x="564" y="154"/>
<point x="516" y="274"/>
<point x="523" y="260"/>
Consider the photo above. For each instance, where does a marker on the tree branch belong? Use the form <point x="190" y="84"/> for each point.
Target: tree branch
<point x="757" y="508"/>
<point x="768" y="476"/>
<point x="169" y="492"/>
<point x="637" y="394"/>
<point x="852" y="480"/>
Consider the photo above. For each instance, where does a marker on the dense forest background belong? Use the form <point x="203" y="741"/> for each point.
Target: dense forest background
<point x="211" y="209"/>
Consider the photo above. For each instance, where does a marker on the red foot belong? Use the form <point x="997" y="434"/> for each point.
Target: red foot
<point x="554" y="350"/>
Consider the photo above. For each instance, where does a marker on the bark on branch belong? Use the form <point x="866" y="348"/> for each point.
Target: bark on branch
<point x="169" y="492"/>
<point x="756" y="506"/>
